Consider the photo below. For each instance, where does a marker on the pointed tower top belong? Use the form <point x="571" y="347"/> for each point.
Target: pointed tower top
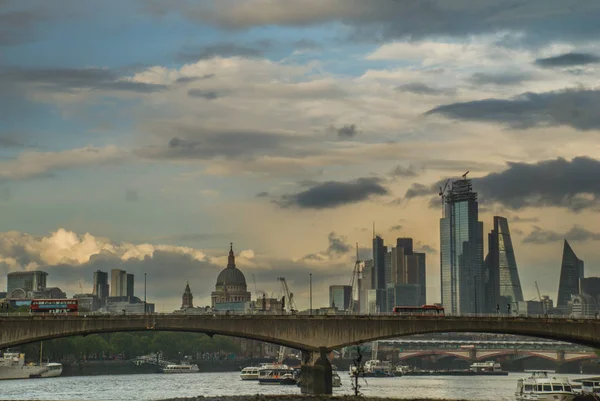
<point x="231" y="260"/>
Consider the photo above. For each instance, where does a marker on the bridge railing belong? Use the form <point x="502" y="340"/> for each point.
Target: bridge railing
<point x="303" y="314"/>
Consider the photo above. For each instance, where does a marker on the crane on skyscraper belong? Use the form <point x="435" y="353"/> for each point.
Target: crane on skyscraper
<point x="356" y="277"/>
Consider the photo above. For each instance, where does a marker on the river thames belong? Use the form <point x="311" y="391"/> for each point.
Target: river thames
<point x="161" y="386"/>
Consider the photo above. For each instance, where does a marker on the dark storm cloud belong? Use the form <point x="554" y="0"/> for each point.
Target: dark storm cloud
<point x="223" y="50"/>
<point x="422" y="89"/>
<point x="337" y="244"/>
<point x="400" y="171"/>
<point x="576" y="233"/>
<point x="231" y="145"/>
<point x="577" y="108"/>
<point x="332" y="194"/>
<point x="185" y="80"/>
<point x="568" y="60"/>
<point x="345" y="132"/>
<point x="421" y="247"/>
<point x="16" y="26"/>
<point x="65" y="79"/>
<point x="397" y="227"/>
<point x="481" y="78"/>
<point x="518" y="219"/>
<point x="539" y="20"/>
<point x="263" y="194"/>
<point x="199" y="93"/>
<point x="549" y="183"/>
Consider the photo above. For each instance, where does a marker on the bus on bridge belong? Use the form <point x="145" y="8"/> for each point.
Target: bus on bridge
<point x="54" y="306"/>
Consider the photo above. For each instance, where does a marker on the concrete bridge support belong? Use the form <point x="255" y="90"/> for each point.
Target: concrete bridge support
<point x="316" y="373"/>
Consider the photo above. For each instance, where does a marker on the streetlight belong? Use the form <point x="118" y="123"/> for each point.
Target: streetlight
<point x="475" y="290"/>
<point x="145" y="274"/>
<point x="310" y="291"/>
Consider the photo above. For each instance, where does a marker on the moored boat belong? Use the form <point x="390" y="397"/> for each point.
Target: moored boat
<point x="12" y="366"/>
<point x="181" y="369"/>
<point x="488" y="369"/>
<point x="249" y="373"/>
<point x="541" y="387"/>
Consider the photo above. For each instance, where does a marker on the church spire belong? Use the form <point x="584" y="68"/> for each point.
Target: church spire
<point x="231" y="260"/>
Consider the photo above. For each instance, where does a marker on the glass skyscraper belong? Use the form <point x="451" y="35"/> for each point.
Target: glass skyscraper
<point x="461" y="251"/>
<point x="340" y="296"/>
<point x="571" y="270"/>
<point x="502" y="284"/>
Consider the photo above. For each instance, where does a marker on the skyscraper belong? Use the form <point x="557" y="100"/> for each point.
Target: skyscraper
<point x="101" y="286"/>
<point x="502" y="284"/>
<point x="379" y="252"/>
<point x="571" y="271"/>
<point x="118" y="283"/>
<point x="461" y="251"/>
<point x="130" y="286"/>
<point x="339" y="296"/>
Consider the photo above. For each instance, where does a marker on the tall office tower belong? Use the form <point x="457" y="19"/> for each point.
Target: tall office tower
<point x="118" y="283"/>
<point x="101" y="286"/>
<point x="502" y="284"/>
<point x="379" y="252"/>
<point x="571" y="270"/>
<point x="590" y="286"/>
<point x="461" y="251"/>
<point x="422" y="276"/>
<point x="388" y="268"/>
<point x="129" y="292"/>
<point x="365" y="286"/>
<point x="339" y="296"/>
<point x="406" y="244"/>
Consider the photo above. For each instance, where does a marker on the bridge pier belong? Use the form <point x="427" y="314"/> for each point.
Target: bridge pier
<point x="316" y="373"/>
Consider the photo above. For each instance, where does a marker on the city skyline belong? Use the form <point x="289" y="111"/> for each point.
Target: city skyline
<point x="145" y="138"/>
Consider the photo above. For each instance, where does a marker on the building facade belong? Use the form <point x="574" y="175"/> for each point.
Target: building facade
<point x="118" y="283"/>
<point x="340" y="296"/>
<point x="461" y="251"/>
<point x="379" y="255"/>
<point x="231" y="286"/>
<point x="101" y="287"/>
<point x="571" y="271"/>
<point x="25" y="282"/>
<point x="502" y="283"/>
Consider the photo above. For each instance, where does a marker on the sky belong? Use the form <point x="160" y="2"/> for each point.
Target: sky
<point x="148" y="135"/>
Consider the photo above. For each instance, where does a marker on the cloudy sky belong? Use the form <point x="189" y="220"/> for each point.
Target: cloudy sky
<point x="147" y="135"/>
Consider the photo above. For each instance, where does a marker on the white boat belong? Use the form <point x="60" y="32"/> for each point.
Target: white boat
<point x="181" y="369"/>
<point x="12" y="366"/>
<point x="377" y="368"/>
<point x="590" y="386"/>
<point x="541" y="387"/>
<point x="52" y="370"/>
<point x="250" y="373"/>
<point x="273" y="374"/>
<point x="488" y="368"/>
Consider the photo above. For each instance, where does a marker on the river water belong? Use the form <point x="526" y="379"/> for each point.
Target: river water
<point x="161" y="386"/>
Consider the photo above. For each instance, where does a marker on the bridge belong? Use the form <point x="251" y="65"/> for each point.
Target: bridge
<point x="315" y="336"/>
<point x="478" y="350"/>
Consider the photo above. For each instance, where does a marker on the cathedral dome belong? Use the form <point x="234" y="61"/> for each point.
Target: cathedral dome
<point x="231" y="275"/>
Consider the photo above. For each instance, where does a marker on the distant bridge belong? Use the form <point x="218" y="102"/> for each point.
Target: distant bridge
<point x="314" y="335"/>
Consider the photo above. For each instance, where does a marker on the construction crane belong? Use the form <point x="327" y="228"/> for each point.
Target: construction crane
<point x="255" y="290"/>
<point x="464" y="176"/>
<point x="540" y="297"/>
<point x="290" y="305"/>
<point x="355" y="280"/>
<point x="443" y="192"/>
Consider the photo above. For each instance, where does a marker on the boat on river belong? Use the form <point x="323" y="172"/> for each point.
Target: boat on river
<point x="181" y="369"/>
<point x="13" y="366"/>
<point x="541" y="387"/>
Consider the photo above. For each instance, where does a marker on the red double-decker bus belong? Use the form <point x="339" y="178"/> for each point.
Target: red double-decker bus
<point x="54" y="305"/>
<point x="425" y="310"/>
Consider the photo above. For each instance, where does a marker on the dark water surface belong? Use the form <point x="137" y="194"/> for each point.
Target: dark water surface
<point x="161" y="386"/>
